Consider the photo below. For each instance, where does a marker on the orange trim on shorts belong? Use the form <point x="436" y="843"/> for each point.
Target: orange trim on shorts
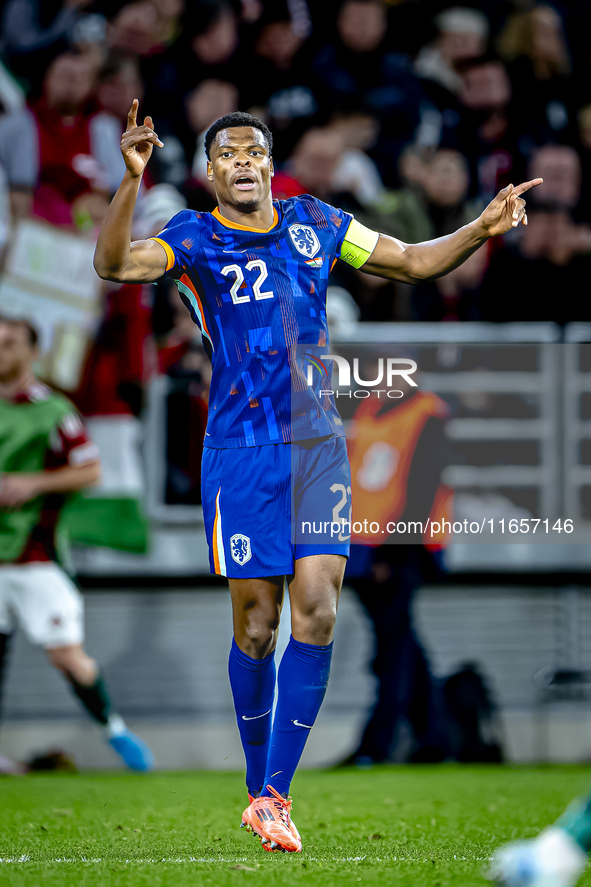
<point x="214" y="541"/>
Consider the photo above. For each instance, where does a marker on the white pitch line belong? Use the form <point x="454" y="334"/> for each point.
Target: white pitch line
<point x="190" y="859"/>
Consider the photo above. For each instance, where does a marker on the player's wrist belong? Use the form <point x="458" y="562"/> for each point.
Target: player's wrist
<point x="131" y="175"/>
<point x="480" y="228"/>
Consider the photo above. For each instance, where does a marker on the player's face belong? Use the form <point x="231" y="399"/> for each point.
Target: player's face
<point x="240" y="167"/>
<point x="16" y="352"/>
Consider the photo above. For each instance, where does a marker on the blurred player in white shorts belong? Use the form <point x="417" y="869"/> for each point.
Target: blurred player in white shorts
<point x="45" y="453"/>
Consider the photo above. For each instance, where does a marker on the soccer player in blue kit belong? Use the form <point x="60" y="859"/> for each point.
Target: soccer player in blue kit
<point x="254" y="274"/>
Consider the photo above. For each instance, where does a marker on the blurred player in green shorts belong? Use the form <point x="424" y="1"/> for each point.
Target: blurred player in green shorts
<point x="45" y="454"/>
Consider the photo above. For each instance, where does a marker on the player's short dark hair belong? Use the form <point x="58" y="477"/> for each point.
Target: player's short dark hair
<point x="24" y="324"/>
<point x="230" y="121"/>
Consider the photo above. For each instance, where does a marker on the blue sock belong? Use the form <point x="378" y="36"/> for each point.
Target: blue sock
<point x="301" y="685"/>
<point x="253" y="689"/>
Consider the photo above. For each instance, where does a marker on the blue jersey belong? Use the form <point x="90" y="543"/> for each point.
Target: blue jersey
<point x="258" y="297"/>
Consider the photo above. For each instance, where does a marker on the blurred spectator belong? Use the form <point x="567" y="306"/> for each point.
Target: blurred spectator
<point x="121" y="360"/>
<point x="359" y="67"/>
<point x="216" y="35"/>
<point x="489" y="131"/>
<point x="356" y="172"/>
<point x="137" y="29"/>
<point x="315" y="161"/>
<point x="12" y="95"/>
<point x="326" y="162"/>
<point x="170" y="12"/>
<point x="204" y="105"/>
<point x="455" y="296"/>
<point x="550" y="256"/>
<point x="57" y="149"/>
<point x="545" y="268"/>
<point x="551" y="253"/>
<point x="446" y="184"/>
<point x="119" y="83"/>
<point x="463" y="34"/>
<point x="560" y="167"/>
<point x="585" y="127"/>
<point x="200" y="48"/>
<point x="35" y="31"/>
<point x="584" y="120"/>
<point x="124" y="354"/>
<point x="281" y="83"/>
<point x="534" y="45"/>
<point x="158" y="206"/>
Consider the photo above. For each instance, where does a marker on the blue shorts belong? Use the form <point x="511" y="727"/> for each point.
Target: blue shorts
<point x="265" y="507"/>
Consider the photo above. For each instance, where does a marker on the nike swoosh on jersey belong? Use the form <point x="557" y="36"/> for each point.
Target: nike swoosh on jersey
<point x="244" y="718"/>
<point x="297" y="723"/>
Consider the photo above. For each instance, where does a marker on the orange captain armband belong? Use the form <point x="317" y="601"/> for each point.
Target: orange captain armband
<point x="170" y="257"/>
<point x="359" y="244"/>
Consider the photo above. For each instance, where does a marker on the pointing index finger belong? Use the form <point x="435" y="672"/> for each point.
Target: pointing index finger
<point x="132" y="116"/>
<point x="525" y="186"/>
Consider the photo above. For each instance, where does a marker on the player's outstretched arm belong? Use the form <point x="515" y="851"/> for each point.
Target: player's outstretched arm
<point x="413" y="263"/>
<point x="116" y="257"/>
<point x="19" y="487"/>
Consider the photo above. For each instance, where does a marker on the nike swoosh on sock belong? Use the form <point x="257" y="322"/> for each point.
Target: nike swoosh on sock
<point x="297" y="723"/>
<point x="244" y="718"/>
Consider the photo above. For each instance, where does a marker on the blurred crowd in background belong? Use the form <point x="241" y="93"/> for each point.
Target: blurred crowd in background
<point x="411" y="114"/>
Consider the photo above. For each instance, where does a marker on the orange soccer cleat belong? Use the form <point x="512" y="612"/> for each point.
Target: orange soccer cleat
<point x="270" y="819"/>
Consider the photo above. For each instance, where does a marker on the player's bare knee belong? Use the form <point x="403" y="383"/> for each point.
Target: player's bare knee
<point x="261" y="636"/>
<point x="314" y="624"/>
<point x="256" y="631"/>
<point x="256" y="644"/>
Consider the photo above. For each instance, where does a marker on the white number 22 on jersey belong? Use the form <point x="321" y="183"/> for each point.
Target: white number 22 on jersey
<point x="256" y="287"/>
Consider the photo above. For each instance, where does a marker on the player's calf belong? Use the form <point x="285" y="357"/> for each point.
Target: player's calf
<point x="87" y="683"/>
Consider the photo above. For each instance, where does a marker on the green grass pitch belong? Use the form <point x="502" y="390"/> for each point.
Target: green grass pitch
<point x="407" y="826"/>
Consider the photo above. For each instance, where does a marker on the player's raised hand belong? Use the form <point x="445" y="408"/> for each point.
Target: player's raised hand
<point x="507" y="209"/>
<point x="137" y="142"/>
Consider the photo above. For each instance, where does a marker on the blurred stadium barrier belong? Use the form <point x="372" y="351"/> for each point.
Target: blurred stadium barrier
<point x="165" y="653"/>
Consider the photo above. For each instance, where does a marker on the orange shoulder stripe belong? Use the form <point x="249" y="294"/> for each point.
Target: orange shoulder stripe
<point x="170" y="258"/>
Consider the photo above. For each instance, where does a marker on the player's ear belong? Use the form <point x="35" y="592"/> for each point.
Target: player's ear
<point x="271" y="167"/>
<point x="209" y="171"/>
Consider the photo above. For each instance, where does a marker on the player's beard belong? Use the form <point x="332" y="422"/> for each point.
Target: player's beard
<point x="250" y="204"/>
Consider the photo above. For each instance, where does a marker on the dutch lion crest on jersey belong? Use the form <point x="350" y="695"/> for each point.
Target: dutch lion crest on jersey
<point x="305" y="240"/>
<point x="240" y="548"/>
